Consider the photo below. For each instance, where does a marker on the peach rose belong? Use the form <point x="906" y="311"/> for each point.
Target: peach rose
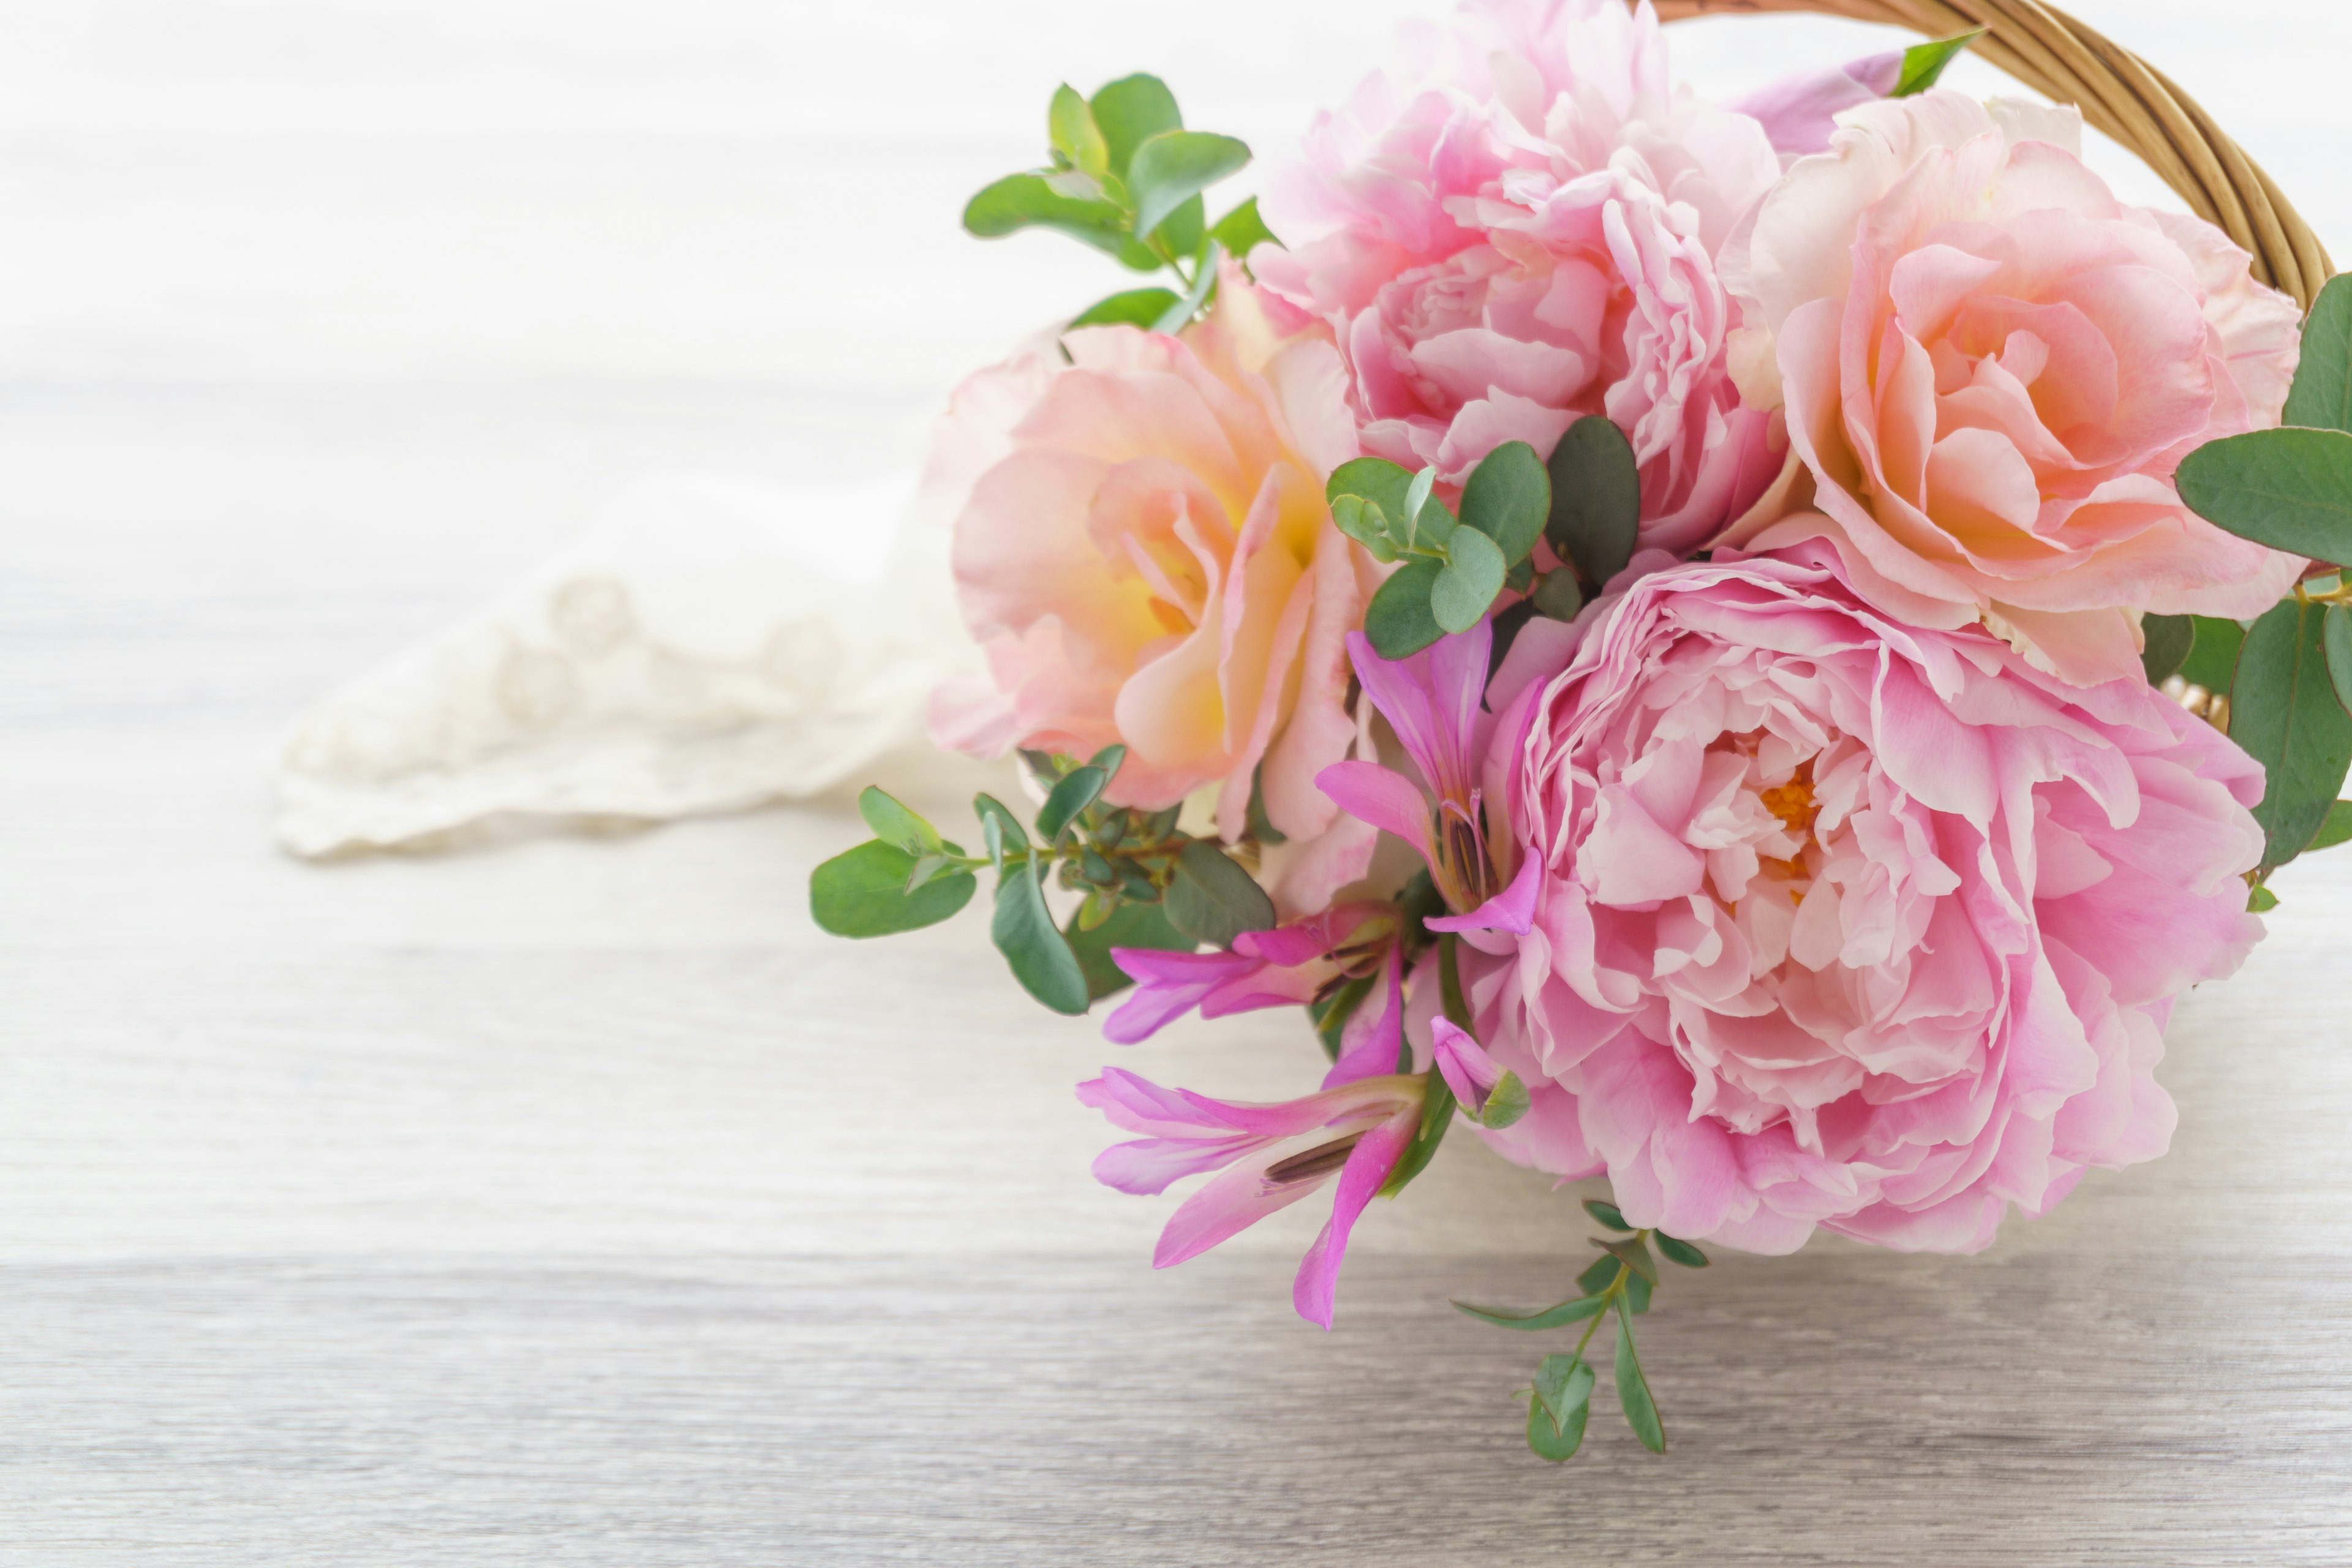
<point x="1145" y="559"/>
<point x="1991" y="368"/>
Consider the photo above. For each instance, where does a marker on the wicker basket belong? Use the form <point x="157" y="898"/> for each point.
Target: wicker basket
<point x="2119" y="93"/>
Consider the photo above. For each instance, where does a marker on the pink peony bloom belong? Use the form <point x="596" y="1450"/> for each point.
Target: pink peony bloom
<point x="1146" y="558"/>
<point x="1523" y="234"/>
<point x="1846" y="922"/>
<point x="1363" y="1127"/>
<point x="1991" y="368"/>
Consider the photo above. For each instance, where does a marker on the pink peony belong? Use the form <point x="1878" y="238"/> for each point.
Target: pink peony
<point x="1525" y="235"/>
<point x="1146" y="558"/>
<point x="1845" y="922"/>
<point x="1991" y="368"/>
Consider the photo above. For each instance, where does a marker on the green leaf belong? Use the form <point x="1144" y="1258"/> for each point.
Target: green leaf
<point x="1184" y="231"/>
<point x="1567" y="1312"/>
<point x="1417" y="494"/>
<point x="1172" y="168"/>
<point x="1212" y="900"/>
<point x="1465" y="588"/>
<point x="1024" y="933"/>
<point x="1599" y="1275"/>
<point x="1204" y="283"/>
<point x="2285" y="712"/>
<point x="1634" y="1391"/>
<point x="2261" y="900"/>
<point x="1673" y="1250"/>
<point x="2167" y="640"/>
<point x="1077" y="142"/>
<point x="893" y="824"/>
<point x="1376" y="480"/>
<point x="1129" y="925"/>
<point x="2213" y="652"/>
<point x="1072" y="794"/>
<point x="997" y="817"/>
<point x="863" y="892"/>
<point x="1609" y="1214"/>
<point x="1242" y="231"/>
<point x="1596" y="498"/>
<point x="1437" y="1106"/>
<point x="2288" y="489"/>
<point x="1561" y="1406"/>
<point x="1399" y="620"/>
<point x="1507" y="1102"/>
<point x="1637" y="1292"/>
<point x="1922" y="63"/>
<point x="2322" y="396"/>
<point x="2336" y="829"/>
<point x="1025" y="200"/>
<point x="1330" y="1014"/>
<point x="2338" y="636"/>
<point x="1635" y="1253"/>
<point x="1556" y="596"/>
<point x="1135" y="308"/>
<point x="1507" y="498"/>
<point x="1363" y="521"/>
<point x="1130" y="112"/>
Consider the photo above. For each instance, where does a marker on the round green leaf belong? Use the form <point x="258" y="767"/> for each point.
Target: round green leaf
<point x="863" y="892"/>
<point x="1033" y="946"/>
<point x="1130" y="112"/>
<point x="2212" y="652"/>
<point x="1561" y="1407"/>
<point x="1556" y="596"/>
<point x="1211" y="899"/>
<point x="1399" y="621"/>
<point x="1507" y="498"/>
<point x="2322" y="396"/>
<point x="1135" y="308"/>
<point x="1070" y="125"/>
<point x="2285" y="712"/>
<point x="1465" y="588"/>
<point x="1596" y="498"/>
<point x="2336" y="635"/>
<point x="1507" y="1102"/>
<point x="2167" y="642"/>
<point x="1173" y="167"/>
<point x="2289" y="489"/>
<point x="894" y="824"/>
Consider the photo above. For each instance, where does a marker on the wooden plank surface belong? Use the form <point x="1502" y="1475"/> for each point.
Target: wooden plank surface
<point x="575" y="1201"/>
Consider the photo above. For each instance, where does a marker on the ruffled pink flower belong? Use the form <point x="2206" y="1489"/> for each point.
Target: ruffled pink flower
<point x="1145" y="559"/>
<point x="1991" y="368"/>
<point x="1846" y="922"/>
<point x="1360" y="1127"/>
<point x="1521" y="233"/>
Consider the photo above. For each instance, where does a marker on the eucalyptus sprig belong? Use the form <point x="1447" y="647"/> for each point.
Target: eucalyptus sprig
<point x="1620" y="1281"/>
<point x="1125" y="176"/>
<point x="1142" y="881"/>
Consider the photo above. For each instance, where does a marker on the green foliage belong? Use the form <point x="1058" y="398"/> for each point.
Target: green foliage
<point x="1076" y="791"/>
<point x="1599" y="1275"/>
<point x="1559" y="1403"/>
<point x="1608" y="1214"/>
<point x="1129" y="925"/>
<point x="1596" y="499"/>
<point x="1212" y="900"/>
<point x="2212" y="652"/>
<point x="1507" y="1102"/>
<point x="2336" y="829"/>
<point x="1569" y="1311"/>
<point x="1135" y="308"/>
<point x="1172" y="168"/>
<point x="1033" y="948"/>
<point x="2337" y="637"/>
<point x="1028" y="201"/>
<point x="2261" y="900"/>
<point x="2289" y="489"/>
<point x="1242" y="231"/>
<point x="1923" y="63"/>
<point x="1330" y="1013"/>
<point x="1634" y="1391"/>
<point x="1437" y="1104"/>
<point x="863" y="892"/>
<point x="2285" y="712"/>
<point x="1078" y="143"/>
<point x="1400" y="621"/>
<point x="893" y="823"/>
<point x="1507" y="498"/>
<point x="1130" y="112"/>
<point x="2321" y="398"/>
<point x="1675" y="1250"/>
<point x="1467" y="584"/>
<point x="2167" y="642"/>
<point x="1633" y="1252"/>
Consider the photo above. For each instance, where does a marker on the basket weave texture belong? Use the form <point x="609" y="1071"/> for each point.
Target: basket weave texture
<point x="2119" y="93"/>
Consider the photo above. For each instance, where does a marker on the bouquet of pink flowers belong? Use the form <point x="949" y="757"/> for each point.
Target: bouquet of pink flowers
<point x="1749" y="650"/>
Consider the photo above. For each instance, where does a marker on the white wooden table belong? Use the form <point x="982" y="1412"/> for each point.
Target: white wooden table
<point x="576" y="1202"/>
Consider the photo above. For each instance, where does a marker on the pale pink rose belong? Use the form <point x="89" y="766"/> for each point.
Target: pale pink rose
<point x="1843" y="922"/>
<point x="1145" y="559"/>
<point x="1991" y="368"/>
<point x="1520" y="231"/>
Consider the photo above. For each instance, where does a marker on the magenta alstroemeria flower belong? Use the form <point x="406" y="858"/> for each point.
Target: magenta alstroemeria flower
<point x="1284" y="967"/>
<point x="1363" y="1129"/>
<point x="1433" y="702"/>
<point x="1468" y="1070"/>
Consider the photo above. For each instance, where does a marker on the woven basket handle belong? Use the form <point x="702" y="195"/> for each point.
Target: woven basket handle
<point x="2118" y="92"/>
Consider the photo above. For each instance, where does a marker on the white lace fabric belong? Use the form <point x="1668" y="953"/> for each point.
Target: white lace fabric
<point x="709" y="645"/>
